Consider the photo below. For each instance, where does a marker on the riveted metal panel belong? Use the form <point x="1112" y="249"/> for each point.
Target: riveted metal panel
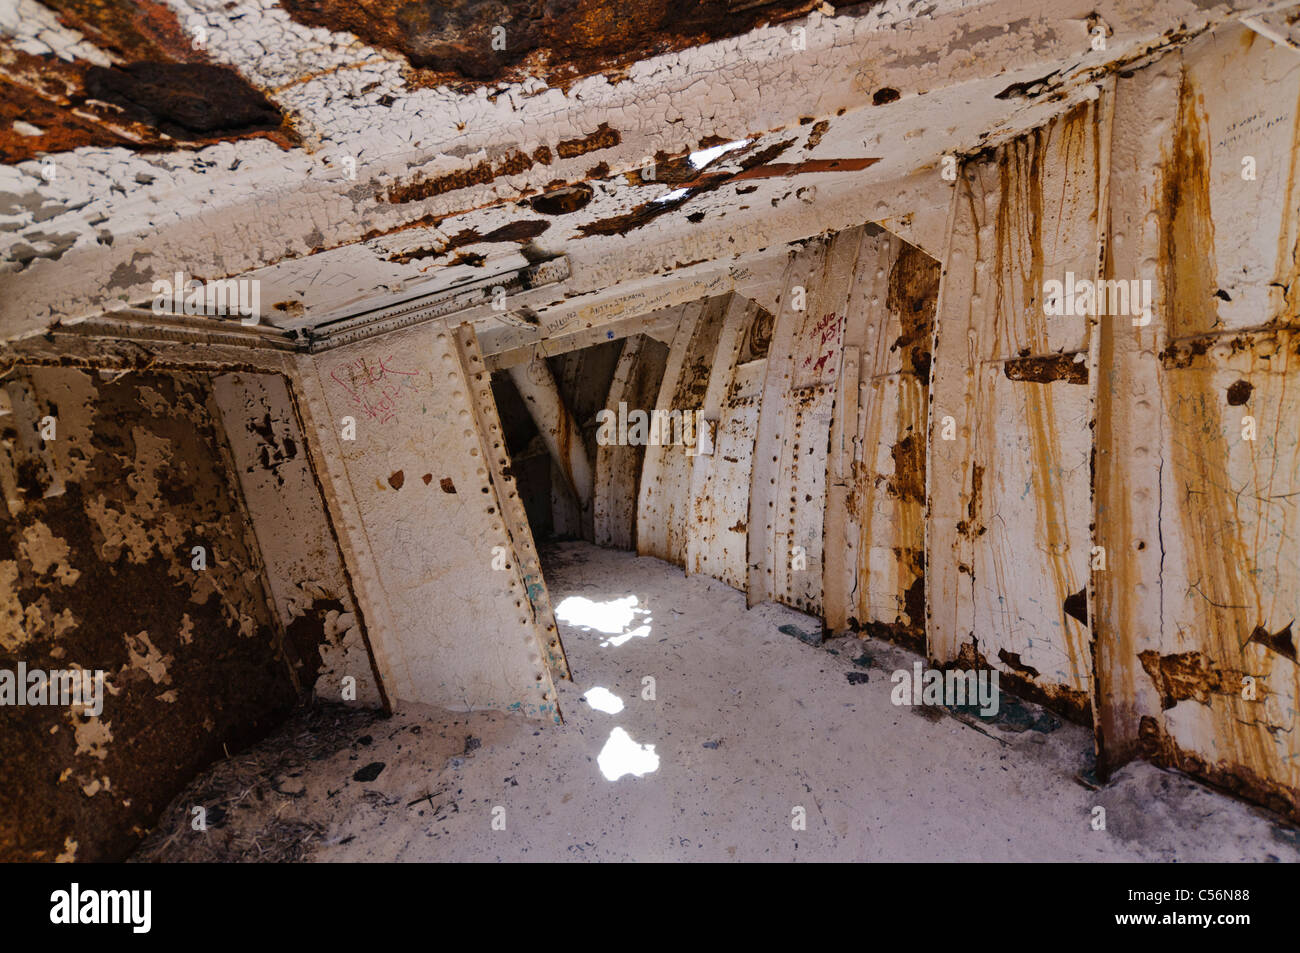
<point x="1010" y="440"/>
<point x="875" y="571"/>
<point x="1199" y="466"/>
<point x="497" y="460"/>
<point x="636" y="381"/>
<point x="720" y="485"/>
<point x="725" y="505"/>
<point x="421" y="523"/>
<point x="789" y="482"/>
<point x="666" y="504"/>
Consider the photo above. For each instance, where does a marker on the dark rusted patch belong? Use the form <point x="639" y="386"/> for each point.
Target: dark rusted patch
<point x="647" y="212"/>
<point x="603" y="138"/>
<point x="447" y="485"/>
<point x="416" y="254"/>
<point x="1012" y="660"/>
<point x="221" y="686"/>
<point x="560" y="40"/>
<point x="1076" y="605"/>
<point x="1182" y="354"/>
<point x="1069" y="703"/>
<point x="886" y="94"/>
<point x="396" y="479"/>
<point x="163" y="94"/>
<point x="1239" y="393"/>
<point x="1044" y="370"/>
<point x="274" y="449"/>
<point x="756" y="166"/>
<point x="184" y="100"/>
<point x="471" y="258"/>
<point x="1280" y="642"/>
<point x="306" y="634"/>
<point x="1157" y="746"/>
<point x="913" y="296"/>
<point x="677" y="168"/>
<point x="1187" y="675"/>
<point x="524" y="231"/>
<point x="562" y="201"/>
<point x="970" y="527"/>
<point x="427" y="478"/>
<point x="908" y="480"/>
<point x="1032" y="88"/>
<point x="909" y="633"/>
<point x="521" y="232"/>
<point x="776" y="169"/>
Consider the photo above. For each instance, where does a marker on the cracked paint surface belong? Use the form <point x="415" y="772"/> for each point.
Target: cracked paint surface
<point x="366" y="129"/>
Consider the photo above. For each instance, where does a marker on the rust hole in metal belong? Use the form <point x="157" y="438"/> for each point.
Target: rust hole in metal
<point x="1280" y="642"/>
<point x="1012" y="660"/>
<point x="562" y="201"/>
<point x="1239" y="393"/>
<point x="1076" y="605"/>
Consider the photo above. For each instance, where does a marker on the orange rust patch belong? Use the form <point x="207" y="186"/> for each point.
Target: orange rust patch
<point x="603" y="138"/>
<point x="1187" y="675"/>
<point x="481" y="173"/>
<point x="815" y="136"/>
<point x="913" y="295"/>
<point x="1044" y="370"/>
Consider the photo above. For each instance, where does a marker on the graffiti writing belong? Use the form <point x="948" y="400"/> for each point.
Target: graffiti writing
<point x="376" y="385"/>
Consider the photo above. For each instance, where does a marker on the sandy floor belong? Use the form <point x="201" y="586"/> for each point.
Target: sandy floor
<point x="747" y="725"/>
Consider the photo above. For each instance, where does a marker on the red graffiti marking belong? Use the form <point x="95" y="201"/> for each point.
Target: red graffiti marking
<point x="827" y="329"/>
<point x="376" y="385"/>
